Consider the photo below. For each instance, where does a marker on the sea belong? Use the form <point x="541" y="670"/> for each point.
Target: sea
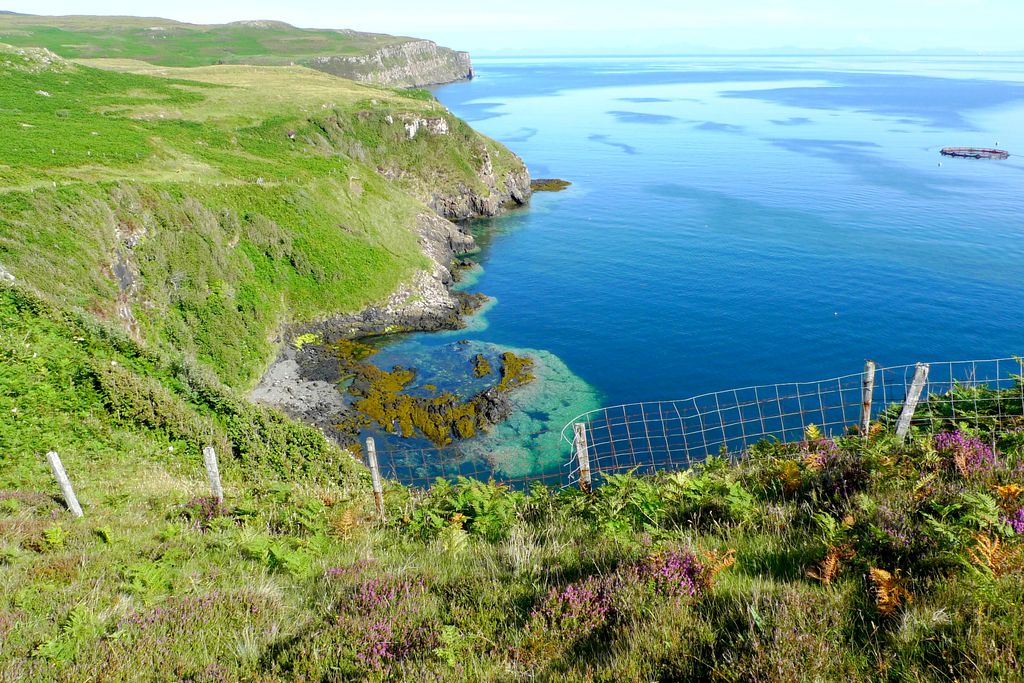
<point x="735" y="221"/>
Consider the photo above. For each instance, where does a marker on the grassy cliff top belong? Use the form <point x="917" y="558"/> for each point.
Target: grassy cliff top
<point x="186" y="202"/>
<point x="172" y="43"/>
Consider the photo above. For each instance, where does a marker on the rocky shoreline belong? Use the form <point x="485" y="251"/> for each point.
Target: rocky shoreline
<point x="302" y="380"/>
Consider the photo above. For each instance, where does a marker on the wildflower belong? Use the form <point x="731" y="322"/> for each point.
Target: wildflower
<point x="969" y="454"/>
<point x="354" y="569"/>
<point x="897" y="527"/>
<point x="386" y="592"/>
<point x="575" y="611"/>
<point x="1016" y="522"/>
<point x="822" y="453"/>
<point x="388" y="641"/>
<point x="674" y="573"/>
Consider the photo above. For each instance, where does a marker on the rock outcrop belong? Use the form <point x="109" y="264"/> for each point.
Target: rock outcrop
<point x="301" y="381"/>
<point x="462" y="202"/>
<point x="410" y="64"/>
<point x="425" y="303"/>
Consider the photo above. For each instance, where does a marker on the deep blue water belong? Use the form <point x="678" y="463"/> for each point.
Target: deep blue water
<point x="740" y="221"/>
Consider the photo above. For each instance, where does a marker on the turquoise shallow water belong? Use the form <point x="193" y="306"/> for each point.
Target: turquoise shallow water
<point x="744" y="221"/>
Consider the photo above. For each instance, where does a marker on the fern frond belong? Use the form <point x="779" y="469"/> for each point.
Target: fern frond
<point x="716" y="562"/>
<point x="344" y="523"/>
<point x="828" y="569"/>
<point x="992" y="556"/>
<point x="890" y="591"/>
<point x="1009" y="496"/>
<point x="80" y="626"/>
<point x="789" y="475"/>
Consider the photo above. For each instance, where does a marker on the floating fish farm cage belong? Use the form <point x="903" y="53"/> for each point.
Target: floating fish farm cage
<point x="974" y="153"/>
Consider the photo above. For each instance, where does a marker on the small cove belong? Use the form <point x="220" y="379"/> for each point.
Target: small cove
<point x="734" y="222"/>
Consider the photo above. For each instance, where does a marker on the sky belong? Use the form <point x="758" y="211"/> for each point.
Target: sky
<point x="599" y="26"/>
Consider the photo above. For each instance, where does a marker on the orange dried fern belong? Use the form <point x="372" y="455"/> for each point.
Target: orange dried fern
<point x="1009" y="496"/>
<point x="789" y="475"/>
<point x="993" y="556"/>
<point x="344" y="523"/>
<point x="890" y="590"/>
<point x="828" y="569"/>
<point x="960" y="461"/>
<point x="716" y="562"/>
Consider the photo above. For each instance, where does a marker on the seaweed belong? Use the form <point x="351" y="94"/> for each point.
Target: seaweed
<point x="481" y="366"/>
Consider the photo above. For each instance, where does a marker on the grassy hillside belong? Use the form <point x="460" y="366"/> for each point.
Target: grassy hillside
<point x="820" y="561"/>
<point x="204" y="208"/>
<point x="366" y="57"/>
<point x="162" y="225"/>
<point x="172" y="43"/>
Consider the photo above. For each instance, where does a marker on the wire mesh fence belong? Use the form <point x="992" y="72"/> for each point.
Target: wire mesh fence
<point x="651" y="436"/>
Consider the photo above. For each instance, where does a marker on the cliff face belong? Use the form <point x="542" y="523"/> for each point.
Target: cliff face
<point x="415" y="150"/>
<point x="405" y="65"/>
<point x="507" y="187"/>
<point x="392" y="61"/>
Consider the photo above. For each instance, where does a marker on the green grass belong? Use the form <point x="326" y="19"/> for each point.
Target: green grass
<point x="85" y="389"/>
<point x="170" y="43"/>
<point x="165" y="224"/>
<point x="295" y="579"/>
<point x="234" y="212"/>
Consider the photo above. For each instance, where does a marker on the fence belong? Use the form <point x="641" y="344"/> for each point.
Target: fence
<point x="651" y="436"/>
<point x="647" y="437"/>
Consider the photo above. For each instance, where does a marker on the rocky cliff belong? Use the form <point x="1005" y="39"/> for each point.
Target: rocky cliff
<point x="410" y="64"/>
<point x="412" y="149"/>
<point x="302" y="380"/>
<point x="391" y="61"/>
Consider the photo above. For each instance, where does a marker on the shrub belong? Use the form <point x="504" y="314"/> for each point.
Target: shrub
<point x="677" y="574"/>
<point x="1016" y="521"/>
<point x="968" y="455"/>
<point x="487" y="510"/>
<point x="570" y="614"/>
<point x="201" y="511"/>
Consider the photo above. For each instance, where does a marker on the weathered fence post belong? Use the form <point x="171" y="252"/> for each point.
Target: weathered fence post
<point x="65" y="484"/>
<point x="583" y="455"/>
<point x="213" y="472"/>
<point x="866" y="394"/>
<point x="913" y="396"/>
<point x="378" y="489"/>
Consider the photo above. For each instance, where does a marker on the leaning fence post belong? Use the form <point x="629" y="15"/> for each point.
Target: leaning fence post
<point x="378" y="489"/>
<point x="866" y="394"/>
<point x="213" y="472"/>
<point x="583" y="455"/>
<point x="913" y="396"/>
<point x="65" y="484"/>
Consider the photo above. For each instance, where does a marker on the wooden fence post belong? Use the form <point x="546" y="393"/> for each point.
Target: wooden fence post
<point x="378" y="489"/>
<point x="583" y="455"/>
<point x="913" y="396"/>
<point x="866" y="395"/>
<point x="65" y="484"/>
<point x="213" y="472"/>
